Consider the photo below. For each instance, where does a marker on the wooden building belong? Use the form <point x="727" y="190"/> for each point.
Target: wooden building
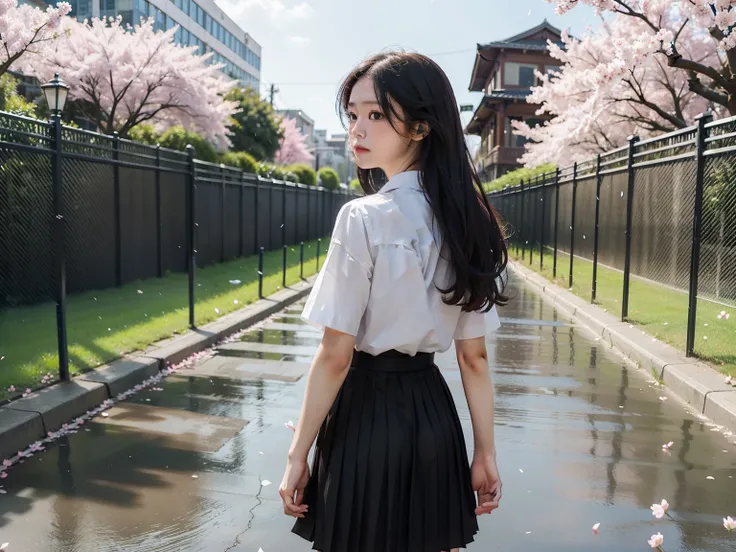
<point x="504" y="72"/>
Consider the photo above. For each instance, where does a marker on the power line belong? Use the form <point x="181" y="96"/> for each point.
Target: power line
<point x="333" y="83"/>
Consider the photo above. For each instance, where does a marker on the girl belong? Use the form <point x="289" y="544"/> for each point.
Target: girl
<point x="411" y="267"/>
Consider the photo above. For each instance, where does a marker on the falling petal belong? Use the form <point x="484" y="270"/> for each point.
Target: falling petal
<point x="235" y="282"/>
<point x="140" y="292"/>
<point x="266" y="483"/>
<point x="522" y="471"/>
<point x="195" y="477"/>
<point x="595" y="528"/>
<point x="235" y="302"/>
<point x="217" y="311"/>
<point x="4" y="546"/>
<point x="105" y="414"/>
<point x="710" y="477"/>
<point x="290" y="425"/>
<point x="3" y="475"/>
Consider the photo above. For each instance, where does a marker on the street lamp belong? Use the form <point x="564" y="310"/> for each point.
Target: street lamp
<point x="56" y="91"/>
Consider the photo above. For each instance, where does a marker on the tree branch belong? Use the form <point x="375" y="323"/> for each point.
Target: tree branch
<point x="697" y="87"/>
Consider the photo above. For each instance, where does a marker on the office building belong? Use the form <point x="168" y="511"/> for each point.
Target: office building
<point x="201" y="23"/>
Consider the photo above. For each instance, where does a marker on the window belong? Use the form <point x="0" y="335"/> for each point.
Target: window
<point x="519" y="74"/>
<point x="552" y="70"/>
<point x="513" y="140"/>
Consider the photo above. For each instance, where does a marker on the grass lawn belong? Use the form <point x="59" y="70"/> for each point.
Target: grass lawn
<point x="103" y="325"/>
<point x="657" y="310"/>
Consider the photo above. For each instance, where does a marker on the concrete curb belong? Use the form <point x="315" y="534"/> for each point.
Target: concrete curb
<point x="29" y="419"/>
<point x="694" y="381"/>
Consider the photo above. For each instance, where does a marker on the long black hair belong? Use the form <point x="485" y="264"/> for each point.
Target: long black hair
<point x="470" y="227"/>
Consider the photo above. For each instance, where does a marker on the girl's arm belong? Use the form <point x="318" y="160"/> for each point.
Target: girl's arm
<point x="472" y="357"/>
<point x="326" y="375"/>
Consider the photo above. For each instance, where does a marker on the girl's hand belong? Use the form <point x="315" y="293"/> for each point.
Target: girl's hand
<point x="292" y="488"/>
<point x="486" y="483"/>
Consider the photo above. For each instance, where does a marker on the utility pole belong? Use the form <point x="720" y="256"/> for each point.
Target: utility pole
<point x="273" y="91"/>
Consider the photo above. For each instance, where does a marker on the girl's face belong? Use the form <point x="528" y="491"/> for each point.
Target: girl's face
<point x="375" y="143"/>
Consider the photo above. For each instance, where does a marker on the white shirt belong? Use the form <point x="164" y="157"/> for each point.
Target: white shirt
<point x="380" y="277"/>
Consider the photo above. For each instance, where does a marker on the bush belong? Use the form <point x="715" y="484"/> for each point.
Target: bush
<point x="11" y="101"/>
<point x="356" y="187"/>
<point x="306" y="174"/>
<point x="144" y="134"/>
<point x="329" y="178"/>
<point x="177" y="138"/>
<point x="514" y="177"/>
<point x="242" y="160"/>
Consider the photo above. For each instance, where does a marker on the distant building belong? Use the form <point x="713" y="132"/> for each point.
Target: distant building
<point x="304" y="123"/>
<point x="334" y="151"/>
<point x="504" y="72"/>
<point x="201" y="23"/>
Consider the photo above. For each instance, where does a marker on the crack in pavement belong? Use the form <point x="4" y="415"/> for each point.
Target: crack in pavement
<point x="252" y="517"/>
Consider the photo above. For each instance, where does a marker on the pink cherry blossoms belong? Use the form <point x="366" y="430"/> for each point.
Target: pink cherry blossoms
<point x="121" y="78"/>
<point x="292" y="148"/>
<point x="663" y="25"/>
<point x="598" y="98"/>
<point x="24" y="27"/>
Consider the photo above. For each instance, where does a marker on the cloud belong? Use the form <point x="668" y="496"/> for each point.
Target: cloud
<point x="276" y="10"/>
<point x="300" y="40"/>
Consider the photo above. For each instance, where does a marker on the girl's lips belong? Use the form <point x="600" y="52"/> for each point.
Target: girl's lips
<point x="361" y="149"/>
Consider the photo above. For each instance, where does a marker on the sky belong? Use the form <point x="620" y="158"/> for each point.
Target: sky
<point x="310" y="45"/>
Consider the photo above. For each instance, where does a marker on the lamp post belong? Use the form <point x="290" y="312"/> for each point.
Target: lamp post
<point x="56" y="91"/>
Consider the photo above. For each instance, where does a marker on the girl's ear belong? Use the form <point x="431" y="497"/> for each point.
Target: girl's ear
<point x="420" y="131"/>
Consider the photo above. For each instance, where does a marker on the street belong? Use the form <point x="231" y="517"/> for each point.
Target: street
<point x="196" y="465"/>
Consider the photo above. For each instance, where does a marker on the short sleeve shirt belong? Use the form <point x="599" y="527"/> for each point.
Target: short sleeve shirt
<point x="380" y="276"/>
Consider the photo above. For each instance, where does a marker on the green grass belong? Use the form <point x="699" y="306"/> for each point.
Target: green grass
<point x="657" y="310"/>
<point x="104" y="325"/>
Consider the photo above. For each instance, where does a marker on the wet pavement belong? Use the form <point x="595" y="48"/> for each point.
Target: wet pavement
<point x="196" y="465"/>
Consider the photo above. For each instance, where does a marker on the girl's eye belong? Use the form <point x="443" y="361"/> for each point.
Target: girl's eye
<point x="376" y="115"/>
<point x="352" y="116"/>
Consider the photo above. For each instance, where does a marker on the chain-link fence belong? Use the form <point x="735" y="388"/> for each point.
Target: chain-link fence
<point x="647" y="231"/>
<point x="100" y="237"/>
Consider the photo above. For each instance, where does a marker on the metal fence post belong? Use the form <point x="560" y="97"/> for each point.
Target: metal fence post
<point x="159" y="217"/>
<point x="270" y="214"/>
<point x="117" y="214"/>
<point x="541" y="237"/>
<point x="596" y="233"/>
<point x="534" y="216"/>
<point x="256" y="223"/>
<point x="572" y="220"/>
<point x="319" y="243"/>
<point x="59" y="233"/>
<point x="629" y="213"/>
<point x="309" y="234"/>
<point x="283" y="234"/>
<point x="260" y="272"/>
<point x="301" y="260"/>
<point x="241" y="215"/>
<point x="192" y="234"/>
<point x="521" y="221"/>
<point x="557" y="219"/>
<point x="223" y="220"/>
<point x="702" y="133"/>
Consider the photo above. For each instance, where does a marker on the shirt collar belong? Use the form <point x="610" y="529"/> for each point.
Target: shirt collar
<point x="408" y="180"/>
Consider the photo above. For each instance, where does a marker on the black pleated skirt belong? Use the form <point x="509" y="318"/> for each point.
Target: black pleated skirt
<point x="390" y="470"/>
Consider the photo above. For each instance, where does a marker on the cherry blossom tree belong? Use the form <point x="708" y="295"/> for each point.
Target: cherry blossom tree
<point x="590" y="115"/>
<point x="292" y="147"/>
<point x="665" y="23"/>
<point x="23" y="28"/>
<point x="121" y="79"/>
